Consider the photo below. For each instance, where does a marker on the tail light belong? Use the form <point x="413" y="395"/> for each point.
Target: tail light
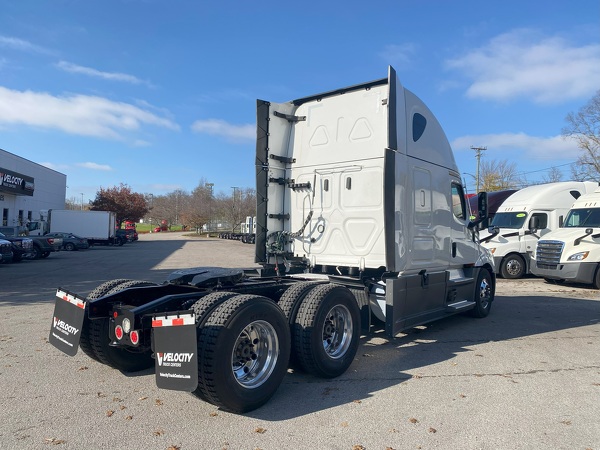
<point x="134" y="337"/>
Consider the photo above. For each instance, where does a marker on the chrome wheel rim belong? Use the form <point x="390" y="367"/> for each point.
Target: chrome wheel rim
<point x="337" y="331"/>
<point x="255" y="354"/>
<point x="484" y="293"/>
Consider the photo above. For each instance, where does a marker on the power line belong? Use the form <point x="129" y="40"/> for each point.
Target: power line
<point x="542" y="170"/>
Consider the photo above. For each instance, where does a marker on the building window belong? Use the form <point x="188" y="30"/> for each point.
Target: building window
<point x="5" y="217"/>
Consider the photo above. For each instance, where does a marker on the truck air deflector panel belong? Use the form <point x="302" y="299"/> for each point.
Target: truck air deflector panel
<point x="262" y="175"/>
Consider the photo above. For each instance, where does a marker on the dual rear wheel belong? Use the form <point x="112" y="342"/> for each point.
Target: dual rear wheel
<point x="245" y="341"/>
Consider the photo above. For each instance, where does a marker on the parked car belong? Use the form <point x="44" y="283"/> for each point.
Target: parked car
<point x="70" y="241"/>
<point x="21" y="246"/>
<point x="42" y="245"/>
<point x="125" y="235"/>
<point x="6" y="252"/>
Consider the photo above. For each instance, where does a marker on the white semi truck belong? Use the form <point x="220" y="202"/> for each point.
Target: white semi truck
<point x="572" y="253"/>
<point x="360" y="213"/>
<point x="526" y="216"/>
<point x="98" y="227"/>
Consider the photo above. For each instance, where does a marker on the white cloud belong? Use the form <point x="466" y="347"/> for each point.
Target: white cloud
<point x="216" y="127"/>
<point x="398" y="55"/>
<point x="94" y="166"/>
<point x="530" y="147"/>
<point x="520" y="64"/>
<point x="76" y="114"/>
<point x="89" y="71"/>
<point x="22" y="45"/>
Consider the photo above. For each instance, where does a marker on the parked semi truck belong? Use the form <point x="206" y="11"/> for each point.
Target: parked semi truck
<point x="526" y="216"/>
<point x="572" y="252"/>
<point x="360" y="214"/>
<point x="247" y="233"/>
<point x="98" y="227"/>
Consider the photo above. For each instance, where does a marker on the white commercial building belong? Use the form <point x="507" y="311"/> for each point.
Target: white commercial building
<point x="26" y="188"/>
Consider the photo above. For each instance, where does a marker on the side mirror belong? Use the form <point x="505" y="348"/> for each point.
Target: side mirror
<point x="482" y="210"/>
<point x="482" y="205"/>
<point x="534" y="223"/>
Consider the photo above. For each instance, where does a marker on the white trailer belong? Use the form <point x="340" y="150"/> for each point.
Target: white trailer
<point x="360" y="213"/>
<point x="526" y="216"/>
<point x="98" y="227"/>
<point x="572" y="253"/>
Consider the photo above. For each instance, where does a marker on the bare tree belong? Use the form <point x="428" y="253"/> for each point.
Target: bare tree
<point x="499" y="175"/>
<point x="198" y="208"/>
<point x="584" y="128"/>
<point x="554" y="175"/>
<point x="235" y="208"/>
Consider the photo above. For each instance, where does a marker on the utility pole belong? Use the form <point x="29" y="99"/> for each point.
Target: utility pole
<point x="478" y="151"/>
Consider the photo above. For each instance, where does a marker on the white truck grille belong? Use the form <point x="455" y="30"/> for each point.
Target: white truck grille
<point x="548" y="254"/>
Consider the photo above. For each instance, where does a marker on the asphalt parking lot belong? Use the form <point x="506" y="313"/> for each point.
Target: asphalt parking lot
<point x="526" y="377"/>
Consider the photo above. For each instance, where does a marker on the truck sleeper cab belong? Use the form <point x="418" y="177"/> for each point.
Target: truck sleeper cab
<point x="360" y="214"/>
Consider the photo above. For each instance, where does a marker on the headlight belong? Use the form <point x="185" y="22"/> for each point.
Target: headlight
<point x="578" y="256"/>
<point x="492" y="250"/>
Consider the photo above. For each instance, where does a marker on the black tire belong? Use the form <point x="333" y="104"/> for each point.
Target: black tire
<point x="243" y="353"/>
<point x="554" y="281"/>
<point x="484" y="295"/>
<point x="202" y="310"/>
<point x="17" y="258"/>
<point x="45" y="254"/>
<point x="289" y="303"/>
<point x="596" y="282"/>
<point x="69" y="246"/>
<point x="327" y="331"/>
<point x="37" y="252"/>
<point x="513" y="267"/>
<point x="121" y="359"/>
<point x="100" y="291"/>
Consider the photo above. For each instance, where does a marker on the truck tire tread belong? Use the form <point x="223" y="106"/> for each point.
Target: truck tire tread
<point x="100" y="291"/>
<point x="216" y="341"/>
<point x="289" y="303"/>
<point x="311" y="324"/>
<point x="118" y="358"/>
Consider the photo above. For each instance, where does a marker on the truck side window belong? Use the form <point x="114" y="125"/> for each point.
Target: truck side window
<point x="543" y="218"/>
<point x="458" y="201"/>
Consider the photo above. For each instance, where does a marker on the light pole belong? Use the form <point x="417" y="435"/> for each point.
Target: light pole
<point x="150" y="215"/>
<point x="210" y="199"/>
<point x="478" y="151"/>
<point x="235" y="190"/>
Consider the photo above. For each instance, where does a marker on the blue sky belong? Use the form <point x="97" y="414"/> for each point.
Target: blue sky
<point x="160" y="95"/>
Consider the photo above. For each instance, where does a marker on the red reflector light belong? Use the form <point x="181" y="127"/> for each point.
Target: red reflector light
<point x="119" y="332"/>
<point x="135" y="337"/>
<point x="115" y="314"/>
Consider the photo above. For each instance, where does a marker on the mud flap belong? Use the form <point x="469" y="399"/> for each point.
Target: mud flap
<point x="67" y="321"/>
<point x="175" y="352"/>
